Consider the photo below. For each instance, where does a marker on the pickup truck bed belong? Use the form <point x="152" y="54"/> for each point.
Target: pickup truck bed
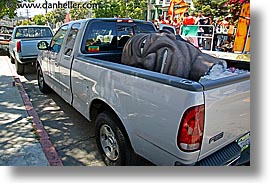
<point x="227" y="99"/>
<point x="166" y="119"/>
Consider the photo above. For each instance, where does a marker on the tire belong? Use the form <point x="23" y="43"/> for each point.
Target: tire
<point x="19" y="67"/>
<point x="12" y="59"/>
<point x="113" y="144"/>
<point x="43" y="87"/>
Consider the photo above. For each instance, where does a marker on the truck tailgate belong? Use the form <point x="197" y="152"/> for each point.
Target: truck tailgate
<point x="227" y="115"/>
<point x="29" y="46"/>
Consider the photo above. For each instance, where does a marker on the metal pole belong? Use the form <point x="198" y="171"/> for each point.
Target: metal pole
<point x="212" y="41"/>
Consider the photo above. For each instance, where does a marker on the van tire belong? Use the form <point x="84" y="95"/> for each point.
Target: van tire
<point x="112" y="142"/>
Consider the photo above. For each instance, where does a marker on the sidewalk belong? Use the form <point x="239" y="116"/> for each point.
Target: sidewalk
<point x="19" y="144"/>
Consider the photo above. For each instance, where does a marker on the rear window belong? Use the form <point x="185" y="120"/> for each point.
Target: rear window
<point x="33" y="32"/>
<point x="142" y="27"/>
<point x="106" y="36"/>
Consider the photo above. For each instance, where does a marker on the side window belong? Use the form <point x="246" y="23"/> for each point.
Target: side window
<point x="100" y="37"/>
<point x="58" y="39"/>
<point x="69" y="45"/>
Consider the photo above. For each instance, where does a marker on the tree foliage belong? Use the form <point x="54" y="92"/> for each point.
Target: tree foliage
<point x="220" y="8"/>
<point x="8" y="7"/>
<point x="24" y="22"/>
<point x="216" y="8"/>
<point x="235" y="7"/>
<point x="40" y="19"/>
<point x="55" y="16"/>
<point x="79" y="13"/>
<point x="111" y="8"/>
<point x="106" y="8"/>
<point x="136" y="9"/>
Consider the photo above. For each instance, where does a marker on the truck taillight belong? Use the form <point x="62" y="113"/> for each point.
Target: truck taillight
<point x="18" y="46"/>
<point x="191" y="129"/>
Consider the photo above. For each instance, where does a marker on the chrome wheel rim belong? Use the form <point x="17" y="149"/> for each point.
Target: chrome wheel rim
<point x="109" y="143"/>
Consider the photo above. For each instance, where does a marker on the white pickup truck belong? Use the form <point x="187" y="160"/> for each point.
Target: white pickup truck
<point x="167" y="120"/>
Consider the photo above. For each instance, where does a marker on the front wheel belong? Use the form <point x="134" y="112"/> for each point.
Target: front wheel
<point x="43" y="87"/>
<point x="112" y="142"/>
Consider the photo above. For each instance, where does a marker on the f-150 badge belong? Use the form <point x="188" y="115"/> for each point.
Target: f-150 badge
<point x="216" y="137"/>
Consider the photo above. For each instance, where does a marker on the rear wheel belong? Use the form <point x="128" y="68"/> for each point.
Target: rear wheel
<point x="43" y="87"/>
<point x="12" y="59"/>
<point x="112" y="142"/>
<point x="19" y="67"/>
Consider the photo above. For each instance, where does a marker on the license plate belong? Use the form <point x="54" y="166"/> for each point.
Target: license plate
<point x="244" y="141"/>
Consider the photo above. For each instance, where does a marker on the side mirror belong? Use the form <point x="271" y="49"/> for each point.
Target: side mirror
<point x="43" y="45"/>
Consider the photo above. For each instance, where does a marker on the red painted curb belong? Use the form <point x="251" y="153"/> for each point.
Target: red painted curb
<point x="47" y="146"/>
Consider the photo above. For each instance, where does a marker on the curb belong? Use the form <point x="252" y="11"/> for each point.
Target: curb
<point x="44" y="139"/>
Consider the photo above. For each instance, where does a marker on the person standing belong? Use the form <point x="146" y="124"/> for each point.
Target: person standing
<point x="222" y="36"/>
<point x="188" y="20"/>
<point x="208" y="21"/>
<point x="200" y="21"/>
<point x="176" y="24"/>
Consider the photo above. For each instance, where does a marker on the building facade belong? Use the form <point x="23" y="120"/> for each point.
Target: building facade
<point x="160" y="7"/>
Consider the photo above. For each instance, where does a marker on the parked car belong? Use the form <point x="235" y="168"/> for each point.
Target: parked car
<point x="23" y="45"/>
<point x="5" y="37"/>
<point x="4" y="41"/>
<point x="167" y="120"/>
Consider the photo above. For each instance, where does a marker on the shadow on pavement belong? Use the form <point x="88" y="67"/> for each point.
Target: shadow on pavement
<point x="3" y="52"/>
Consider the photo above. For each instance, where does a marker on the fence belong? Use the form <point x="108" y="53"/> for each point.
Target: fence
<point x="190" y="32"/>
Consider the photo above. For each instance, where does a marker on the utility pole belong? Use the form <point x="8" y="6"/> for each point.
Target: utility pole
<point x="27" y="12"/>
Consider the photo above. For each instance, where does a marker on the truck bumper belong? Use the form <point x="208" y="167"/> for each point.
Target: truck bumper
<point x="230" y="155"/>
<point x="27" y="60"/>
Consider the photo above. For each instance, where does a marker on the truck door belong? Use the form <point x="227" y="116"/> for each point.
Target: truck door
<point x="65" y="63"/>
<point x="54" y="56"/>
